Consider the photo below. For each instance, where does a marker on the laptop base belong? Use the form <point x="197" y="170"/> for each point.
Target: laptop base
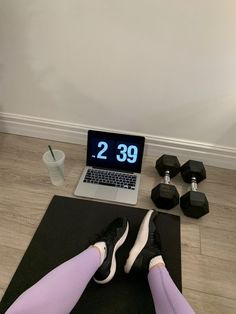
<point x="101" y="192"/>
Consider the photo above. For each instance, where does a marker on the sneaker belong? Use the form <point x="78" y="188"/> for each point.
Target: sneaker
<point x="114" y="236"/>
<point x="146" y="246"/>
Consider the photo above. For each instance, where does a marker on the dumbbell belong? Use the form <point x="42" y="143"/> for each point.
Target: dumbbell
<point x="165" y="195"/>
<point x="194" y="204"/>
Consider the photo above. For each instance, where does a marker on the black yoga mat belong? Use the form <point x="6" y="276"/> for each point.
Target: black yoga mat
<point x="67" y="228"/>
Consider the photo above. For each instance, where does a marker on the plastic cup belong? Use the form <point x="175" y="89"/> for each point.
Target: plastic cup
<point x="55" y="167"/>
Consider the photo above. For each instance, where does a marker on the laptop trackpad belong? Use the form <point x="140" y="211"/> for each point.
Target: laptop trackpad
<point x="108" y="193"/>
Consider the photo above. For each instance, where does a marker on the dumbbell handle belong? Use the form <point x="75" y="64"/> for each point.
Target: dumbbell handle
<point x="194" y="184"/>
<point x="167" y="177"/>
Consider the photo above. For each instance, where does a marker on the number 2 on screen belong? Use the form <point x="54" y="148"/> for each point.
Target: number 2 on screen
<point x="104" y="147"/>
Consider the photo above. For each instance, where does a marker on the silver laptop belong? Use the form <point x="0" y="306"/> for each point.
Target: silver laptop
<point x="113" y="167"/>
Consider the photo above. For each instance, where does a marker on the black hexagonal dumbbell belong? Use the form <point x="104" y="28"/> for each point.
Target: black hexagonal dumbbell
<point x="194" y="204"/>
<point x="165" y="195"/>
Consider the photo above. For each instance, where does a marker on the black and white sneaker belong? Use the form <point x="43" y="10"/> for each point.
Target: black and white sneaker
<point x="146" y="247"/>
<point x="114" y="236"/>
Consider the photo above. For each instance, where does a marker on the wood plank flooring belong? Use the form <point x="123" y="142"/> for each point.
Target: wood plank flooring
<point x="208" y="244"/>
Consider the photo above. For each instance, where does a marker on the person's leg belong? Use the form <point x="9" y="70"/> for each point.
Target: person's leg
<point x="59" y="290"/>
<point x="166" y="296"/>
<point x="145" y="256"/>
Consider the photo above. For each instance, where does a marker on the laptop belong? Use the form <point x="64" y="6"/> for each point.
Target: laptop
<point x="113" y="167"/>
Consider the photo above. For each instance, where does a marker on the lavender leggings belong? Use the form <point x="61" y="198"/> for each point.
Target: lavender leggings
<point x="59" y="290"/>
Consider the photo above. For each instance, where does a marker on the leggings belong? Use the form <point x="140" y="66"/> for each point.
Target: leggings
<point x="59" y="290"/>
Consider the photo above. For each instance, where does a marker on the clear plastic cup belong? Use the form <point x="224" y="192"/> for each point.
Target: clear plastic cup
<point x="55" y="167"/>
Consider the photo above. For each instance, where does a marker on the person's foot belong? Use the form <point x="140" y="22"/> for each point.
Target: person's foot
<point x="147" y="246"/>
<point x="112" y="238"/>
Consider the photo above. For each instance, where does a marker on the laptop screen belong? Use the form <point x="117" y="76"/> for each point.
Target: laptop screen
<point x="115" y="151"/>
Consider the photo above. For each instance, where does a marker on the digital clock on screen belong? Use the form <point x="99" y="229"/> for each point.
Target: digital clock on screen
<point x="115" y="151"/>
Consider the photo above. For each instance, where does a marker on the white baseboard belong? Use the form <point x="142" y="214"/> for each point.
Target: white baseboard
<point x="219" y="156"/>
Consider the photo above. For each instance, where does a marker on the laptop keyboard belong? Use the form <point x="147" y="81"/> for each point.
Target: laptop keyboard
<point x="111" y="178"/>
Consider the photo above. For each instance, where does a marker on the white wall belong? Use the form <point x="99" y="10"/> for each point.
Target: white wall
<point x="165" y="68"/>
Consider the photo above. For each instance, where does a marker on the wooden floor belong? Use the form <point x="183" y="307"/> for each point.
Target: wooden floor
<point x="208" y="244"/>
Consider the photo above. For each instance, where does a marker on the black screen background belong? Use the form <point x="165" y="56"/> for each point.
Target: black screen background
<point x="113" y="140"/>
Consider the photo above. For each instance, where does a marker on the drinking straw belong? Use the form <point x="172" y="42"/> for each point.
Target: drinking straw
<point x="53" y="156"/>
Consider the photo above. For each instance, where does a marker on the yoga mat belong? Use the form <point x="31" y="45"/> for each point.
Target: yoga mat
<point x="68" y="227"/>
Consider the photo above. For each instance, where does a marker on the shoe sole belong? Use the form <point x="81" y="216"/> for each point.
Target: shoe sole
<point x="140" y="242"/>
<point x="113" y="261"/>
